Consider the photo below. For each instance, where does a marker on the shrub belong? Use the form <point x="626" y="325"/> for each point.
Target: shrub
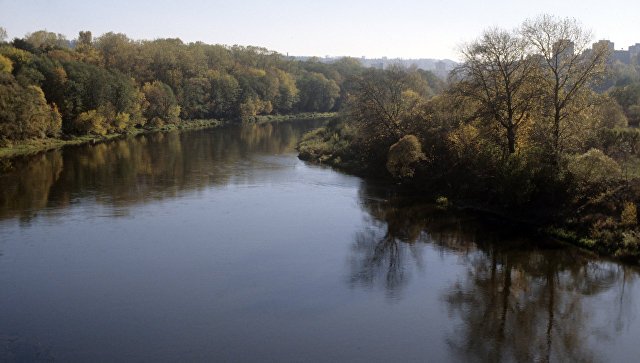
<point x="5" y="64"/>
<point x="90" y="122"/>
<point x="442" y="202"/>
<point x="629" y="216"/>
<point x="403" y="156"/>
<point x="593" y="173"/>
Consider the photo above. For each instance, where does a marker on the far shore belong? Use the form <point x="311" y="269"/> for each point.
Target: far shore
<point x="28" y="147"/>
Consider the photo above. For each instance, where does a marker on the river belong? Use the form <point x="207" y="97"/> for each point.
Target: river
<point x="220" y="245"/>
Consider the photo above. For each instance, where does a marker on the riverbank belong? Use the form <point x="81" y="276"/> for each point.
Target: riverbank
<point x="28" y="147"/>
<point x="601" y="218"/>
<point x="261" y="119"/>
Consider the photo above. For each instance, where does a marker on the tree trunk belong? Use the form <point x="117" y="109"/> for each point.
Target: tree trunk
<point x="556" y="138"/>
<point x="511" y="139"/>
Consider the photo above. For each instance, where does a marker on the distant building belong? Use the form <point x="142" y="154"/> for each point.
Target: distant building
<point x="606" y="43"/>
<point x="441" y="70"/>
<point x="621" y="56"/>
<point x="377" y="65"/>
<point x="634" y="50"/>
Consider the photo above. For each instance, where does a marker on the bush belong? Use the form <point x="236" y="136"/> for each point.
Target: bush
<point x="328" y="144"/>
<point x="630" y="249"/>
<point x="593" y="173"/>
<point x="629" y="216"/>
<point x="5" y="64"/>
<point x="442" y="202"/>
<point x="403" y="156"/>
<point x="90" y="122"/>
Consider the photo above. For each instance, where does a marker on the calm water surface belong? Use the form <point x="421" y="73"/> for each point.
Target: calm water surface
<point x="220" y="245"/>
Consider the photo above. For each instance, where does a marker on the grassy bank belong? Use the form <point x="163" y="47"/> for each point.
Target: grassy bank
<point x="297" y="116"/>
<point x="34" y="146"/>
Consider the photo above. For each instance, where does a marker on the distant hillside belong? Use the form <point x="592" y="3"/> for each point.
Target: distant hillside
<point x="440" y="67"/>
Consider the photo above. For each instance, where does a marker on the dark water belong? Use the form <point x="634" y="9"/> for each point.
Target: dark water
<point x="219" y="245"/>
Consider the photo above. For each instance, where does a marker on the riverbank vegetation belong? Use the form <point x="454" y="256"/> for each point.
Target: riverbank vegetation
<point x="53" y="90"/>
<point x="535" y="124"/>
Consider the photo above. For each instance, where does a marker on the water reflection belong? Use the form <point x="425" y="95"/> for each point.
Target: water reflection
<point x="519" y="298"/>
<point x="132" y="170"/>
<point x="243" y="259"/>
<point x="527" y="306"/>
<point x="398" y="227"/>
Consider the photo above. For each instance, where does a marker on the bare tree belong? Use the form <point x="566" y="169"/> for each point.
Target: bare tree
<point x="382" y="101"/>
<point x="568" y="68"/>
<point x="497" y="74"/>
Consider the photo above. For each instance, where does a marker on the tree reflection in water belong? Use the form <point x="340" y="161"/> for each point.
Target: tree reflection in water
<point x="519" y="299"/>
<point x="396" y="233"/>
<point x="124" y="172"/>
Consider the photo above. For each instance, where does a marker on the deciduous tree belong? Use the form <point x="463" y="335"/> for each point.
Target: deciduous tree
<point x="568" y="68"/>
<point x="497" y="76"/>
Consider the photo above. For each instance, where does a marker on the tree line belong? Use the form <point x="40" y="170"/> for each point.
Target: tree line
<point x="534" y="123"/>
<point x="51" y="86"/>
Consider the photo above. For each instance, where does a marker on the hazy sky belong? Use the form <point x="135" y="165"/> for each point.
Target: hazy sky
<point x="393" y="28"/>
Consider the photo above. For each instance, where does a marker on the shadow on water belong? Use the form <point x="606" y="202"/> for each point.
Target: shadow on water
<point x="519" y="298"/>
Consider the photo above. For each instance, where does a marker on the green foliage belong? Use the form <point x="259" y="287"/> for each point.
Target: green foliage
<point x="629" y="215"/>
<point x="516" y="179"/>
<point x="24" y="112"/>
<point x="254" y="106"/>
<point x="288" y="93"/>
<point x="17" y="56"/>
<point x="160" y="102"/>
<point x="89" y="87"/>
<point x="225" y="91"/>
<point x="196" y="98"/>
<point x="330" y="144"/>
<point x="317" y="93"/>
<point x="593" y="172"/>
<point x="628" y="97"/>
<point x="5" y="64"/>
<point x="630" y="243"/>
<point x="619" y="143"/>
<point x="91" y="122"/>
<point x="54" y="125"/>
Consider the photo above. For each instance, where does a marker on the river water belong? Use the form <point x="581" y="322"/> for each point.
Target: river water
<point x="220" y="245"/>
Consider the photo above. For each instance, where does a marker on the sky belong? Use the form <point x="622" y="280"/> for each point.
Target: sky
<point x="373" y="28"/>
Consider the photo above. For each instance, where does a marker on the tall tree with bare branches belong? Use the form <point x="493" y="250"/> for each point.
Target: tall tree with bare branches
<point x="568" y="68"/>
<point x="497" y="75"/>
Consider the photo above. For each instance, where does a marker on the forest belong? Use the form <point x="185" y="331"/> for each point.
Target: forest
<point x="536" y="125"/>
<point x="52" y="87"/>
